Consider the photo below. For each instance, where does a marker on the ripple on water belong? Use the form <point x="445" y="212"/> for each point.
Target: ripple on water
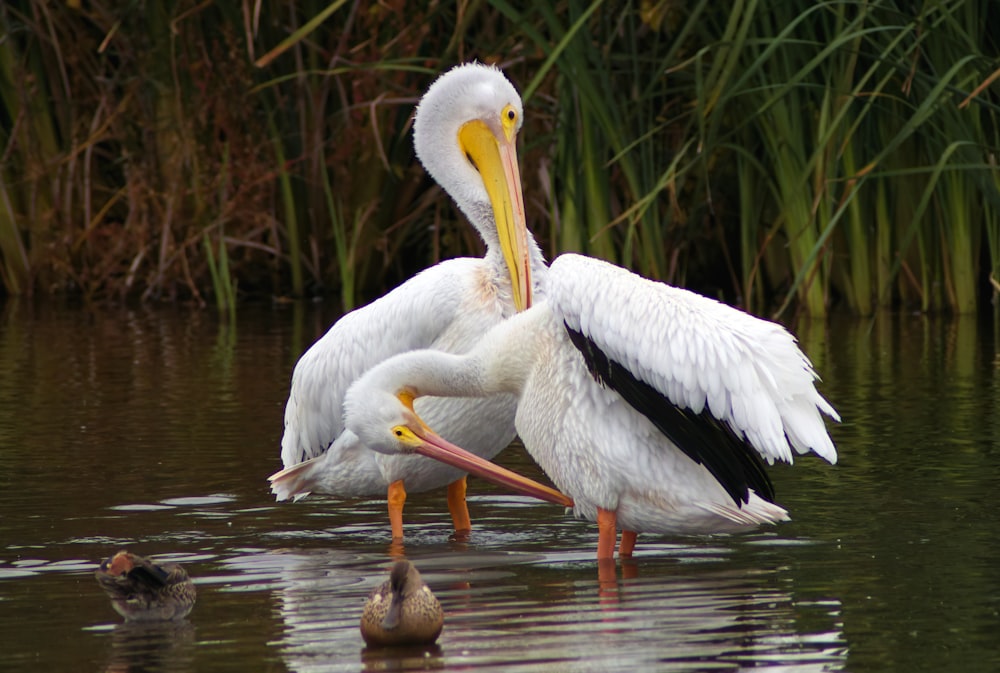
<point x="139" y="507"/>
<point x="36" y="566"/>
<point x="199" y="501"/>
<point x="523" y="611"/>
<point x="281" y="585"/>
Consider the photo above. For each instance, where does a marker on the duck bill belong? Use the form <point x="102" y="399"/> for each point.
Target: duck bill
<point x="434" y="446"/>
<point x="495" y="157"/>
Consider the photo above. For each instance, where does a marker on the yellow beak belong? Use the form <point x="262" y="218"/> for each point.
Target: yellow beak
<point x="495" y="157"/>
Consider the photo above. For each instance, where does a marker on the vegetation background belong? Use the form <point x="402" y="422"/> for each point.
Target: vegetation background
<point x="782" y="154"/>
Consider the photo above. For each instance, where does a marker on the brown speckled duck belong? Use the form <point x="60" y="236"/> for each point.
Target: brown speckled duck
<point x="402" y="611"/>
<point x="141" y="590"/>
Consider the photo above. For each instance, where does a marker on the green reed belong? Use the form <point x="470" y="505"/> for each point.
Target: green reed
<point x="806" y="155"/>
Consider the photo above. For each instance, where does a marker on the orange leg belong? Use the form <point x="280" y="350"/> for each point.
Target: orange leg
<point x="459" y="510"/>
<point x="628" y="543"/>
<point x="606" y="534"/>
<point x="397" y="498"/>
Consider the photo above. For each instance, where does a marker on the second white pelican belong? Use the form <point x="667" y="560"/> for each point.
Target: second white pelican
<point x="465" y="132"/>
<point x="652" y="407"/>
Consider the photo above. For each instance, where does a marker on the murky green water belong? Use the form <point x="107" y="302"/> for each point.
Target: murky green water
<point x="155" y="430"/>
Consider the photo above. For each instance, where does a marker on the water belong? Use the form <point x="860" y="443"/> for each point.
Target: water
<point x="155" y="430"/>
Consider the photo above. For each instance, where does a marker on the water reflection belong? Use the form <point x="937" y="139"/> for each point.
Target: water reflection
<point x="155" y="430"/>
<point x="506" y="611"/>
<point x="164" y="647"/>
<point x="427" y="658"/>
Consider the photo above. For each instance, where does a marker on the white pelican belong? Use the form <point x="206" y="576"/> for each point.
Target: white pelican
<point x="652" y="407"/>
<point x="465" y="132"/>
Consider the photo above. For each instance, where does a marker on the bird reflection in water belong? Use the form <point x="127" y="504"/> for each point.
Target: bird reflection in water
<point x="411" y="658"/>
<point x="163" y="646"/>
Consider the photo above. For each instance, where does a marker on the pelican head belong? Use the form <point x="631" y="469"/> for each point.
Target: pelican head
<point x="465" y="135"/>
<point x="386" y="422"/>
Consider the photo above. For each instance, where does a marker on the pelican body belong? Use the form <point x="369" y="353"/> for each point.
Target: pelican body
<point x="402" y="610"/>
<point x="465" y="132"/>
<point x="655" y="409"/>
<point x="143" y="591"/>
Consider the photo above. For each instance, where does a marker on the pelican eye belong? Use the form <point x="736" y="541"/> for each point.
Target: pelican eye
<point x="509" y="121"/>
<point x="399" y="433"/>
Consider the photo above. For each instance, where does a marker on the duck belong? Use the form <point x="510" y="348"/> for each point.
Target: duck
<point x="402" y="611"/>
<point x="144" y="591"/>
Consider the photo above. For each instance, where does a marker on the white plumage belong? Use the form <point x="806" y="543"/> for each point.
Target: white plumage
<point x="653" y="417"/>
<point x="749" y="372"/>
<point x="465" y="134"/>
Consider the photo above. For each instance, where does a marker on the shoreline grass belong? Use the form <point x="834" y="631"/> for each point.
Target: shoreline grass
<point x="797" y="156"/>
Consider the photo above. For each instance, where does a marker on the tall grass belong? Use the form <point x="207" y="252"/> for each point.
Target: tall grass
<point x="794" y="155"/>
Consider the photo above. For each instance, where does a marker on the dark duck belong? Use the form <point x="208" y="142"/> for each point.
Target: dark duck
<point x="141" y="590"/>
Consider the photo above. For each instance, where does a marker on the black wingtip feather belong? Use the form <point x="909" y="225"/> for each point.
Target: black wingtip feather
<point x="150" y="575"/>
<point x="728" y="457"/>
